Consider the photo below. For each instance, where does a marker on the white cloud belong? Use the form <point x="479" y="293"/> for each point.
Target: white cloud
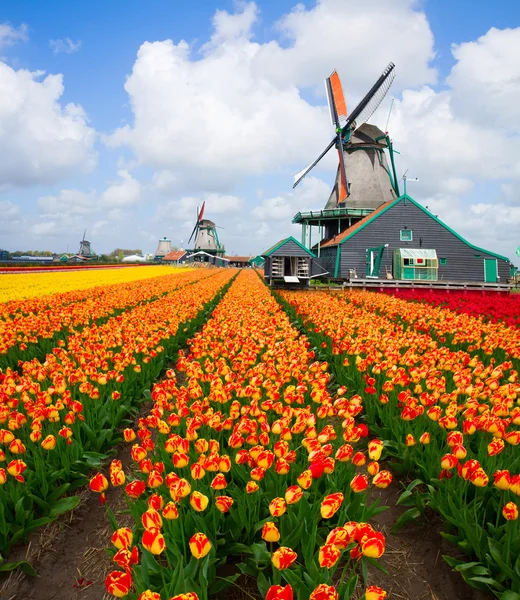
<point x="126" y="192"/>
<point x="311" y="193"/>
<point x="68" y="202"/>
<point x="185" y="208"/>
<point x="41" y="140"/>
<point x="8" y="210"/>
<point x="238" y="109"/>
<point x="64" y="46"/>
<point x="10" y="35"/>
<point x="486" y="79"/>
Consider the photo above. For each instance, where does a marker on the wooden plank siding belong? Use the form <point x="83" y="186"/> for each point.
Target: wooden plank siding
<point x="462" y="262"/>
<point x="287" y="248"/>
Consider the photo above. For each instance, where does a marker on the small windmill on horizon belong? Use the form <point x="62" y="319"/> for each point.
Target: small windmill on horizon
<point x="205" y="235"/>
<point x="85" y="248"/>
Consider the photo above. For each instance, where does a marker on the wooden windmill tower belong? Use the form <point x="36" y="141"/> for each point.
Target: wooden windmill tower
<point x="85" y="249"/>
<point x="364" y="180"/>
<point x="205" y="235"/>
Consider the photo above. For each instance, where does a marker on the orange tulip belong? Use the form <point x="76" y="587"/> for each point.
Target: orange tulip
<point x="99" y="484"/>
<point x="283" y="558"/>
<point x="383" y="479"/>
<point x="151" y="519"/>
<point x="375" y="449"/>
<point x="510" y="511"/>
<point x="219" y="482"/>
<point x="277" y="592"/>
<point x="373" y="546"/>
<point x="153" y="541"/>
<point x="293" y="494"/>
<point x="170" y="511"/>
<point x="359" y="483"/>
<point x="223" y="503"/>
<point x="200" y="545"/>
<point x="305" y="479"/>
<point x="330" y="505"/>
<point x="17" y="447"/>
<point x="328" y="555"/>
<point x="277" y="507"/>
<point x="198" y="501"/>
<point x="186" y="596"/>
<point x="270" y="532"/>
<point x="149" y="595"/>
<point x="339" y="537"/>
<point x="502" y="480"/>
<point x="122" y="538"/>
<point x="374" y="592"/>
<point x="324" y="592"/>
<point x="118" y="583"/>
<point x="251" y="487"/>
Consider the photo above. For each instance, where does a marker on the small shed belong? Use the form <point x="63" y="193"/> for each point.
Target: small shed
<point x="289" y="262"/>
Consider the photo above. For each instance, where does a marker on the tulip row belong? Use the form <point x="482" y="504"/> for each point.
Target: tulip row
<point x="452" y="415"/>
<point x="35" y="329"/>
<point x="28" y="288"/>
<point x="59" y="415"/>
<point x="492" y="306"/>
<point x="243" y="463"/>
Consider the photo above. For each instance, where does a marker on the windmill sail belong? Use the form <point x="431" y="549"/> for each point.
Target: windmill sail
<point x="359" y="115"/>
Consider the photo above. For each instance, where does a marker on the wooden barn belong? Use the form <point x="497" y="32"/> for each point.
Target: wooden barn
<point x="403" y="240"/>
<point x="289" y="262"/>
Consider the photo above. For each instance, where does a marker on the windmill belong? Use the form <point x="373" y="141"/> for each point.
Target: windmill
<point x="205" y="235"/>
<point x="358" y="177"/>
<point x="363" y="179"/>
<point x="84" y="247"/>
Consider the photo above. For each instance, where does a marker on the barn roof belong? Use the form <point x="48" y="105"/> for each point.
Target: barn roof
<point x="351" y="231"/>
<point x="241" y="259"/>
<point x="174" y="255"/>
<point x="284" y="241"/>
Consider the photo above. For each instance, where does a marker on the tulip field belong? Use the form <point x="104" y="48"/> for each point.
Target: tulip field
<point x="257" y="425"/>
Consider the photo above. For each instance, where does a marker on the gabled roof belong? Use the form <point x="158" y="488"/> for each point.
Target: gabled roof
<point x="284" y="241"/>
<point x="344" y="235"/>
<point x="174" y="255"/>
<point x="351" y="231"/>
<point x="241" y="259"/>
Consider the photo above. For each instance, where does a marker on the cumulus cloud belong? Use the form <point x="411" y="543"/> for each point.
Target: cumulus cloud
<point x="41" y="139"/>
<point x="121" y="193"/>
<point x="64" y="46"/>
<point x="125" y="192"/>
<point x="185" y="208"/>
<point x="311" y="193"/>
<point x="238" y="108"/>
<point x="10" y="35"/>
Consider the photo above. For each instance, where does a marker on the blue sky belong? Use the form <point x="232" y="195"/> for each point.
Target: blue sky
<point x="129" y="189"/>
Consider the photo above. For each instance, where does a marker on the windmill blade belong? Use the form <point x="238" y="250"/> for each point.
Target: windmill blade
<point x="299" y="176"/>
<point x="366" y="108"/>
<point x="344" y="187"/>
<point x="336" y="99"/>
<point x="199" y="218"/>
<point x="194" y="232"/>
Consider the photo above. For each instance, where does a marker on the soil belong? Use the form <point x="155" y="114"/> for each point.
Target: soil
<point x="69" y="555"/>
<point x="413" y="557"/>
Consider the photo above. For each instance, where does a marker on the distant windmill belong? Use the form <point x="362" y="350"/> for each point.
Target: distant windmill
<point x="205" y="235"/>
<point x="363" y="179"/>
<point x="84" y="247"/>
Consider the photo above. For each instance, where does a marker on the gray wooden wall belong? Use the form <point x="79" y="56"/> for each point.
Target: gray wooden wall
<point x="462" y="262"/>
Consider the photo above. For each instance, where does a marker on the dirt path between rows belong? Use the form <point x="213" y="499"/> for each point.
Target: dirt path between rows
<point x="413" y="557"/>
